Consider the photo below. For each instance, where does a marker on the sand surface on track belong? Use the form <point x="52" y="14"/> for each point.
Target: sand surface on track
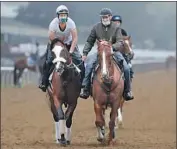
<point x="149" y="120"/>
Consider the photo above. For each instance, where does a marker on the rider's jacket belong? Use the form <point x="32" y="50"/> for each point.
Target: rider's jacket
<point x="99" y="32"/>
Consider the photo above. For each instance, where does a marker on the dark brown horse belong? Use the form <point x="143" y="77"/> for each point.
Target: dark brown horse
<point x="108" y="86"/>
<point x="64" y="89"/>
<point x="22" y="64"/>
<point x="126" y="49"/>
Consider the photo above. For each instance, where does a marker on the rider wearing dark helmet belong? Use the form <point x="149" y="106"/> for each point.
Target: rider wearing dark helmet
<point x="118" y="19"/>
<point x="105" y="29"/>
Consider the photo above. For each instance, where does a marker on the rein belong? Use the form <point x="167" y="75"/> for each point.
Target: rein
<point x="72" y="65"/>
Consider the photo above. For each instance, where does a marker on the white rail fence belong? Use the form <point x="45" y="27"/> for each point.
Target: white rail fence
<point x="28" y="77"/>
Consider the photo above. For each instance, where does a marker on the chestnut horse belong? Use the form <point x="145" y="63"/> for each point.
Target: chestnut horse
<point x="126" y="49"/>
<point x="108" y="86"/>
<point x="64" y="89"/>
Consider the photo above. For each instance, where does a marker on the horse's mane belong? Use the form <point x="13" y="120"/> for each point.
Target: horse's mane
<point x="53" y="42"/>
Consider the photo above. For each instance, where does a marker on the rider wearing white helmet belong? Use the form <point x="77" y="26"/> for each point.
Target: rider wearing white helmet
<point x="63" y="28"/>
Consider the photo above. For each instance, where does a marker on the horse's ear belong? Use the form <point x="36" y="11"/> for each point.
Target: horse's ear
<point x="110" y="40"/>
<point x="129" y="37"/>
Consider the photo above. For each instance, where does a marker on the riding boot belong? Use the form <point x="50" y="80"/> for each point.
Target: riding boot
<point x="127" y="89"/>
<point x="46" y="68"/>
<point x="82" y="68"/>
<point x="44" y="82"/>
<point x="85" y="91"/>
<point x="127" y="86"/>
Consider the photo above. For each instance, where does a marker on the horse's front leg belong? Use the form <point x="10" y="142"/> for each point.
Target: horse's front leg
<point x="56" y="119"/>
<point x="61" y="124"/>
<point x="120" y="117"/>
<point x="114" y="108"/>
<point x="21" y="70"/>
<point x="100" y="122"/>
<point x="68" y="116"/>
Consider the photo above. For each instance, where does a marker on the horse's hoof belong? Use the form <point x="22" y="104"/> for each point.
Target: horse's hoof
<point x="68" y="142"/>
<point x="101" y="140"/>
<point x="111" y="142"/>
<point x="62" y="142"/>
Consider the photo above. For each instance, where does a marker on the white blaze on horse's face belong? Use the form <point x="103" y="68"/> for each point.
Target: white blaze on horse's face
<point x="128" y="44"/>
<point x="57" y="50"/>
<point x="104" y="69"/>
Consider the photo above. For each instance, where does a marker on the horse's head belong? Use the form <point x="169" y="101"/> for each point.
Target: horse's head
<point x="61" y="55"/>
<point x="105" y="55"/>
<point x="127" y="44"/>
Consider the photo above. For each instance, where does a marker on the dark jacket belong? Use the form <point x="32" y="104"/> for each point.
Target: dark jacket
<point x="100" y="32"/>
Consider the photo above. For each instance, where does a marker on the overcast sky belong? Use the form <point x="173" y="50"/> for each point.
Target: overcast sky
<point x="167" y="8"/>
<point x="8" y="8"/>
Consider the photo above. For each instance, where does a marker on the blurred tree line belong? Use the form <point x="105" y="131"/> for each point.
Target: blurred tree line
<point x="151" y="24"/>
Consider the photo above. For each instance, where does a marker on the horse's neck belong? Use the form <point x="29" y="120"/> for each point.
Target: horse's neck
<point x="115" y="72"/>
<point x="111" y="68"/>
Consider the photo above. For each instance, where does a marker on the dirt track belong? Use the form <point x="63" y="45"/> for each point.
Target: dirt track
<point x="149" y="120"/>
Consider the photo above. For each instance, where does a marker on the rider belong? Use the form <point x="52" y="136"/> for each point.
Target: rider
<point x="104" y="30"/>
<point x="118" y="19"/>
<point x="64" y="28"/>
